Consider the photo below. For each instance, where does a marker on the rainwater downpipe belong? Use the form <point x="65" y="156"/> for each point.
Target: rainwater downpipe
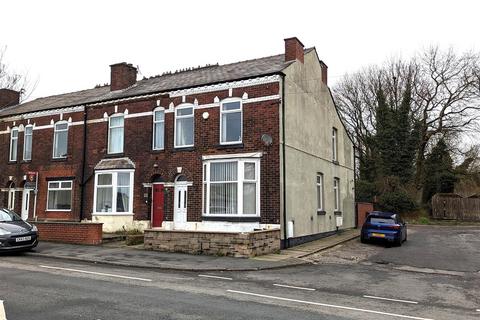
<point x="84" y="157"/>
<point x="284" y="171"/>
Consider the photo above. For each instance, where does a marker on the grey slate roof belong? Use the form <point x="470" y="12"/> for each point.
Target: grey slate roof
<point x="186" y="79"/>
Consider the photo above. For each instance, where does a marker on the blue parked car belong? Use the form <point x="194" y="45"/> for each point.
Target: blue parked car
<point x="384" y="226"/>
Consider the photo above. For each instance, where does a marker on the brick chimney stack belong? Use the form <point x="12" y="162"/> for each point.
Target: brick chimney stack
<point x="122" y="75"/>
<point x="9" y="98"/>
<point x="293" y="49"/>
<point x="324" y="72"/>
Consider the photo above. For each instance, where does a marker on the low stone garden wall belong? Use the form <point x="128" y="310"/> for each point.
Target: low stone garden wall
<point x="243" y="244"/>
<point x="70" y="232"/>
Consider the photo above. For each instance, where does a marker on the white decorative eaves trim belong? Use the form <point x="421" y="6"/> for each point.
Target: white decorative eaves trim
<point x="38" y="114"/>
<point x="225" y="86"/>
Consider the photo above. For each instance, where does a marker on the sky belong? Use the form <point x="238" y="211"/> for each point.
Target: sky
<point x="66" y="46"/>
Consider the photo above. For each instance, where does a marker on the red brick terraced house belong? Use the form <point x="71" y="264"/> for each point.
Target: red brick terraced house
<point x="251" y="145"/>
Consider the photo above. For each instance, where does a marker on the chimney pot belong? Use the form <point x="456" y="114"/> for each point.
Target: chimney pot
<point x="122" y="75"/>
<point x="293" y="49"/>
<point x="9" y="97"/>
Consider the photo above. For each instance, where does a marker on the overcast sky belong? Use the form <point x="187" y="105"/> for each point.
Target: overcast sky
<point x="68" y="46"/>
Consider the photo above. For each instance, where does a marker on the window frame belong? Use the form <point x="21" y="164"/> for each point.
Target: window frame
<point x="116" y="115"/>
<point x="240" y="182"/>
<point x="334" y="144"/>
<point x="25" y="142"/>
<point x="155" y="122"/>
<point x="180" y="107"/>
<point x="55" y="138"/>
<point x="114" y="185"/>
<point x="336" y="194"/>
<point x="11" y="197"/>
<point x="222" y="112"/>
<point x="320" y="185"/>
<point x="60" y="188"/>
<point x="14" y="129"/>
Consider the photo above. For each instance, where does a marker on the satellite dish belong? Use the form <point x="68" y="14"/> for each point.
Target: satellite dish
<point x="267" y="139"/>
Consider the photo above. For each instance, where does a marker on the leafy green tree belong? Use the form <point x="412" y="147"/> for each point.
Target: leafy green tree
<point x="439" y="174"/>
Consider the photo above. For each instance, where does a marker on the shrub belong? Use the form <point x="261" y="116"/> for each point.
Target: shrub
<point x="398" y="201"/>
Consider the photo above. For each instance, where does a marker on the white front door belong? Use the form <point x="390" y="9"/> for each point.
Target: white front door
<point x="25" y="203"/>
<point x="180" y="213"/>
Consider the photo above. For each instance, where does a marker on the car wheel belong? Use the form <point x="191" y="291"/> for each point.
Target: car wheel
<point x="362" y="239"/>
<point x="398" y="243"/>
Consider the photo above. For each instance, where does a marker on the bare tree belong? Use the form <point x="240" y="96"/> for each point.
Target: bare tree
<point x="445" y="97"/>
<point x="10" y="79"/>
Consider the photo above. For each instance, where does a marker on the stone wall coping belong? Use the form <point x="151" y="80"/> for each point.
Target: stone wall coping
<point x="209" y="232"/>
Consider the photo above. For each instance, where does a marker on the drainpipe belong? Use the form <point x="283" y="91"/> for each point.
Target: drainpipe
<point x="284" y="178"/>
<point x="84" y="157"/>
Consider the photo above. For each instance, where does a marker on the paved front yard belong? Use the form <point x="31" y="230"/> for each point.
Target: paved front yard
<point x="455" y="248"/>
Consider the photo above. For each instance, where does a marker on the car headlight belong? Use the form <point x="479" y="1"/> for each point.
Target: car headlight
<point x="4" y="232"/>
<point x="34" y="228"/>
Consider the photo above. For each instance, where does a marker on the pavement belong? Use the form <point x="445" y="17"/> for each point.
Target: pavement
<point x="120" y="255"/>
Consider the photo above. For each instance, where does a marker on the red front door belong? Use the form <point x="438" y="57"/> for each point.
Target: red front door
<point x="157" y="205"/>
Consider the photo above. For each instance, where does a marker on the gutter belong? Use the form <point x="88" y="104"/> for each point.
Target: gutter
<point x="284" y="170"/>
<point x="84" y="157"/>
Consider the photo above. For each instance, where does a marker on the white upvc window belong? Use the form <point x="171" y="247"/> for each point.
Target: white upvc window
<point x="27" y="142"/>
<point x="158" y="129"/>
<point x="59" y="196"/>
<point x="231" y="187"/>
<point x="115" y="133"/>
<point x="320" y="193"/>
<point x="184" y="126"/>
<point x="113" y="192"/>
<point x="231" y="120"/>
<point x="13" y="144"/>
<point x="336" y="193"/>
<point x="334" y="144"/>
<point x="60" y="139"/>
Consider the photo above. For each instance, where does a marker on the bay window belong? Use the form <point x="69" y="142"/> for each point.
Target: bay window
<point x="27" y="143"/>
<point x="59" y="196"/>
<point x="60" y="140"/>
<point x="113" y="192"/>
<point x="115" y="133"/>
<point x="231" y="122"/>
<point x="13" y="144"/>
<point x="184" y="126"/>
<point x="231" y="187"/>
<point x="158" y="129"/>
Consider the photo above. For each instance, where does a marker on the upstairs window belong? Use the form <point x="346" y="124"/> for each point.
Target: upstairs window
<point x="336" y="193"/>
<point x="320" y="195"/>
<point x="27" y="143"/>
<point x="231" y="122"/>
<point x="334" y="144"/>
<point x="184" y="123"/>
<point x="60" y="140"/>
<point x="13" y="144"/>
<point x="158" y="129"/>
<point x="115" y="133"/>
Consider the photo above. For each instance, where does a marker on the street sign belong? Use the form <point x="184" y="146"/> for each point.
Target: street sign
<point x="31" y="182"/>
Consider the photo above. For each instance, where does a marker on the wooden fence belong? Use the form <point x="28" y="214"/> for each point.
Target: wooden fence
<point x="454" y="207"/>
